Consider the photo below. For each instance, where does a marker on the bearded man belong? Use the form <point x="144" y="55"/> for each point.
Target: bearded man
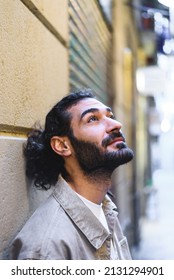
<point x="77" y="152"/>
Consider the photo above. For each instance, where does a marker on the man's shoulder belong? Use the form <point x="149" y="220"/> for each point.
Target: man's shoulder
<point x="43" y="232"/>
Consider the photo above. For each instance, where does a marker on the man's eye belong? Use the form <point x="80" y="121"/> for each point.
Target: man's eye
<point x="92" y="119"/>
<point x="112" y="117"/>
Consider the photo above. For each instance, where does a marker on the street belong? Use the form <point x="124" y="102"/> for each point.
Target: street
<point x="157" y="228"/>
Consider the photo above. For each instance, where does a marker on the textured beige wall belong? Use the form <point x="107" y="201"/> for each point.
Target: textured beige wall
<point x="56" y="12"/>
<point x="34" y="76"/>
<point x="34" y="66"/>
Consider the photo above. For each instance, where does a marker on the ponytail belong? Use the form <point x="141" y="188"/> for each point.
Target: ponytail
<point x="43" y="165"/>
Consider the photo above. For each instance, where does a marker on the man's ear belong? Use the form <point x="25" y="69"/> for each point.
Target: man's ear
<point x="60" y="146"/>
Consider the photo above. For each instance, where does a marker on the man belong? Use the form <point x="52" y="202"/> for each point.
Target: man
<point x="78" y="150"/>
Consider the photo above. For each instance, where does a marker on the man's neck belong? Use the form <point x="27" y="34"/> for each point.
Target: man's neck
<point x="92" y="188"/>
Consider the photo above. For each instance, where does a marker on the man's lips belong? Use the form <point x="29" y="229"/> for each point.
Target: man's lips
<point x="113" y="138"/>
<point x="118" y="139"/>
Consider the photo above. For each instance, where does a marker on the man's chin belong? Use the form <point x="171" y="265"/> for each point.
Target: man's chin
<point x="125" y="155"/>
<point x="111" y="160"/>
<point x="119" y="157"/>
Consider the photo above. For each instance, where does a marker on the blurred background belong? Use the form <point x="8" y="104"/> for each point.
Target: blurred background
<point x="124" y="51"/>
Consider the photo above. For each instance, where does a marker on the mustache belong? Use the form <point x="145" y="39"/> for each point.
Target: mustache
<point x="111" y="137"/>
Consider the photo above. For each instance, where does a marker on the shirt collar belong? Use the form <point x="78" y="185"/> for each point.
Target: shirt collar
<point x="81" y="215"/>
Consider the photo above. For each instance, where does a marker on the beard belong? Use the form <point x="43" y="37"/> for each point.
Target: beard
<point x="94" y="161"/>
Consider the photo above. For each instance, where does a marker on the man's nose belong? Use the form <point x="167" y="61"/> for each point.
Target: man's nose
<point x="113" y="125"/>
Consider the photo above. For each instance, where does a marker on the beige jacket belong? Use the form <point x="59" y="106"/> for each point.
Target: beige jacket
<point x="63" y="228"/>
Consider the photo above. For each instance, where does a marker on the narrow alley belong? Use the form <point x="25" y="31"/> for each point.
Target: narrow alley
<point x="157" y="228"/>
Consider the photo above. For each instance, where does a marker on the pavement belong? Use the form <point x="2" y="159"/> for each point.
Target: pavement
<point x="157" y="227"/>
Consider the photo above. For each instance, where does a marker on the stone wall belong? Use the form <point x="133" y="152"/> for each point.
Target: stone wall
<point x="34" y="76"/>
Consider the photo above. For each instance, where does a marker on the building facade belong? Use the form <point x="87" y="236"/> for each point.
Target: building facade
<point x="49" y="48"/>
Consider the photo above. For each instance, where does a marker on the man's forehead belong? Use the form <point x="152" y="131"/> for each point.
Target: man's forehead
<point x="86" y="104"/>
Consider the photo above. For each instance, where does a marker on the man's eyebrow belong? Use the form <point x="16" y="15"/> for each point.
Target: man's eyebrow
<point x="93" y="110"/>
<point x="90" y="110"/>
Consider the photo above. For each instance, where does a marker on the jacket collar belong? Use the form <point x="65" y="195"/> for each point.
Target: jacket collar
<point x="81" y="215"/>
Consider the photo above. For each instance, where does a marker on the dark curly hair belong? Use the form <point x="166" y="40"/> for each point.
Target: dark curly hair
<point x="43" y="165"/>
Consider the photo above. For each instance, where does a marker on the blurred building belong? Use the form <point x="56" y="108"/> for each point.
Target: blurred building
<point x="49" y="48"/>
